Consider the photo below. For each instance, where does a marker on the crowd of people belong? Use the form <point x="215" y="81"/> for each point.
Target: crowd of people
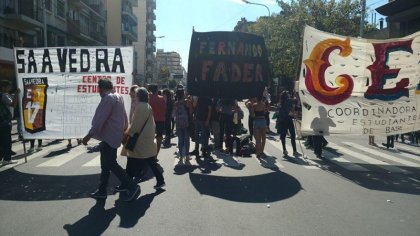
<point x="152" y="119"/>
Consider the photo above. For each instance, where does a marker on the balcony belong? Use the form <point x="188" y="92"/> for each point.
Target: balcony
<point x="151" y="4"/>
<point x="73" y="27"/>
<point x="129" y="32"/>
<point x="128" y="16"/>
<point x="22" y="14"/>
<point x="151" y="27"/>
<point x="151" y="15"/>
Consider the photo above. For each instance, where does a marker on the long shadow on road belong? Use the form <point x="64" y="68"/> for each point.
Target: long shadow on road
<point x="270" y="187"/>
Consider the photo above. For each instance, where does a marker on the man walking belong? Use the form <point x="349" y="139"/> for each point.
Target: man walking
<point x="108" y="125"/>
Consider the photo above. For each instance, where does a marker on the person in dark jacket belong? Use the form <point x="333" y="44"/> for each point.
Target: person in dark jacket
<point x="285" y="122"/>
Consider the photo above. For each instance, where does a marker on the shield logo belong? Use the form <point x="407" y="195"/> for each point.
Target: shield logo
<point x="34" y="103"/>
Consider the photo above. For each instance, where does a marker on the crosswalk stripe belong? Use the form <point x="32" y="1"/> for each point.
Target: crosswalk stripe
<point x="409" y="148"/>
<point x="410" y="156"/>
<point x="340" y="161"/>
<point x="368" y="159"/>
<point x="96" y="161"/>
<point x="62" y="159"/>
<point x="307" y="164"/>
<point x="265" y="161"/>
<point x="383" y="155"/>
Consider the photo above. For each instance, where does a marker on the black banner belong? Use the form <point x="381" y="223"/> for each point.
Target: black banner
<point x="227" y="65"/>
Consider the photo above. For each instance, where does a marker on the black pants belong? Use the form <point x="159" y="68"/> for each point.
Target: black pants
<point x="317" y="142"/>
<point x="168" y="130"/>
<point x="108" y="164"/>
<point x="6" y="142"/>
<point x="251" y="126"/>
<point x="136" y="165"/>
<point x="287" y="125"/>
<point x="226" y="128"/>
<point x="390" y="141"/>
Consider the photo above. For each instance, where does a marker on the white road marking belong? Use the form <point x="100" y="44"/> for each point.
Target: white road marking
<point x="383" y="155"/>
<point x="368" y="159"/>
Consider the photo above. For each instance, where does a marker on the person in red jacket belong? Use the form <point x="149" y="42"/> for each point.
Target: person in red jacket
<point x="158" y="104"/>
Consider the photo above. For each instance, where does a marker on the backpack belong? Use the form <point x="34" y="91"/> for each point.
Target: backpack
<point x="5" y="115"/>
<point x="181" y="116"/>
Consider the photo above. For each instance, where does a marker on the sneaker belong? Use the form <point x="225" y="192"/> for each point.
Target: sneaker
<point x="285" y="152"/>
<point x="69" y="145"/>
<point x="120" y="188"/>
<point x="295" y="154"/>
<point x="30" y="150"/>
<point x="133" y="194"/>
<point x="159" y="185"/>
<point x="194" y="153"/>
<point x="98" y="195"/>
<point x="38" y="148"/>
<point x="13" y="153"/>
<point x="9" y="162"/>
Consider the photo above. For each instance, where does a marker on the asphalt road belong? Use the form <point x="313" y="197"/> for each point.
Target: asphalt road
<point x="356" y="190"/>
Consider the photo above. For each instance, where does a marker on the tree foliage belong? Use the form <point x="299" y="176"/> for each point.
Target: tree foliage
<point x="283" y="32"/>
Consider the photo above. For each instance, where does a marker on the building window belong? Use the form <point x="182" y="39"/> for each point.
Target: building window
<point x="48" y="5"/>
<point x="61" y="8"/>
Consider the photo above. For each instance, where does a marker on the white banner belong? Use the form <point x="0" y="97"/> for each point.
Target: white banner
<point x="59" y="93"/>
<point x="359" y="86"/>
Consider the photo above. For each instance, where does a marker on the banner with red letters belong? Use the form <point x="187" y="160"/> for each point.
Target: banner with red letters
<point x="359" y="86"/>
<point x="59" y="87"/>
<point x="231" y="65"/>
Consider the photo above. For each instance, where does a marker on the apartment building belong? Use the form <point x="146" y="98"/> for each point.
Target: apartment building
<point x="171" y="61"/>
<point x="39" y="23"/>
<point x="146" y="43"/>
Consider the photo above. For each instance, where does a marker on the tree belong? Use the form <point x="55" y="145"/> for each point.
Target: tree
<point x="283" y="32"/>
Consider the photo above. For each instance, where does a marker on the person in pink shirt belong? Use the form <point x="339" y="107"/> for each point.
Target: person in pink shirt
<point x="158" y="104"/>
<point x="108" y="126"/>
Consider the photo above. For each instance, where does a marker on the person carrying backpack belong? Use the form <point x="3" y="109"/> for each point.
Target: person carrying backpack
<point x="6" y="101"/>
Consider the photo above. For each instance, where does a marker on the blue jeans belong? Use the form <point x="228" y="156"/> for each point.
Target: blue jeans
<point x="108" y="164"/>
<point x="183" y="141"/>
<point x="202" y="133"/>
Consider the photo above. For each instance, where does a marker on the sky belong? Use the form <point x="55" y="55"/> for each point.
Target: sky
<point x="175" y="19"/>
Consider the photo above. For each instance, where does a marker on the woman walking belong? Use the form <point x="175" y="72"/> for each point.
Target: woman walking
<point x="145" y="150"/>
<point x="260" y="126"/>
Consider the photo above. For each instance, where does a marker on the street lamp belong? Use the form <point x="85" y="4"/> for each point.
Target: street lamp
<point x="259" y="4"/>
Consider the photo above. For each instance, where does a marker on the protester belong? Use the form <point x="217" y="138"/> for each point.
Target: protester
<point x="158" y="104"/>
<point x="267" y="101"/>
<point x="168" y="117"/>
<point x="145" y="150"/>
<point x="248" y="105"/>
<point x="32" y="145"/>
<point x="134" y="101"/>
<point x="6" y="102"/>
<point x="389" y="142"/>
<point x="215" y="125"/>
<point x="320" y="126"/>
<point x="372" y="140"/>
<point x="202" y="125"/>
<point x="108" y="125"/>
<point x="285" y="122"/>
<point x="182" y="109"/>
<point x="260" y="128"/>
<point x="226" y="109"/>
<point x="69" y="145"/>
